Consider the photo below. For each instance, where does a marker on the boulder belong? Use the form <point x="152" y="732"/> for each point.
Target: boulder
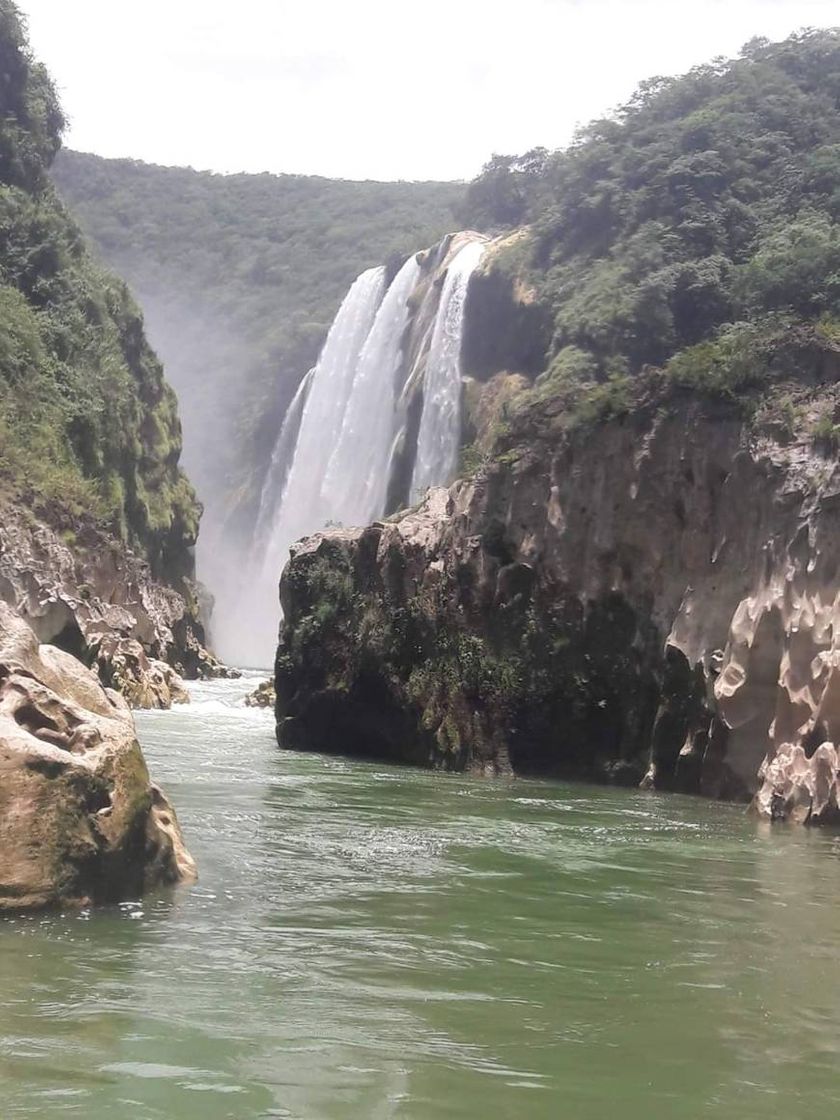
<point x="263" y="696"/>
<point x="144" y="681"/>
<point x="80" y="821"/>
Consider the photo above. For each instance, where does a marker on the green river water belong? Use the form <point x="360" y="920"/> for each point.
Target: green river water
<point x="375" y="942"/>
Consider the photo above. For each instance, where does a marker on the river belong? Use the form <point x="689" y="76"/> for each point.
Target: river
<point x="371" y="942"/>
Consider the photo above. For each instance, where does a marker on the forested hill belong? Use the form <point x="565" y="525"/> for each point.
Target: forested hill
<point x="88" y="426"/>
<point x="691" y="239"/>
<point x="239" y="277"/>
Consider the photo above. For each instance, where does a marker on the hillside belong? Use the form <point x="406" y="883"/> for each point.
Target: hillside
<point x="239" y="277"/>
<point x="689" y="233"/>
<point x="97" y="527"/>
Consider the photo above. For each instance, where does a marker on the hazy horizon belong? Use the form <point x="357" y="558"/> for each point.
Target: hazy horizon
<point x="370" y="92"/>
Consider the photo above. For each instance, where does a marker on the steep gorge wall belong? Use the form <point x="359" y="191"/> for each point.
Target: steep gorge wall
<point x="654" y="599"/>
<point x="98" y="523"/>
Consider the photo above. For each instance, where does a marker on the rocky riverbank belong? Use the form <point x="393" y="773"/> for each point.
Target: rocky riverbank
<point x="652" y="599"/>
<point x="93" y="597"/>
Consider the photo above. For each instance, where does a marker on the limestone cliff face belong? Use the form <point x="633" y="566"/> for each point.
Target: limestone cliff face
<point x="653" y="600"/>
<point x="93" y="597"/>
<point x="80" y="821"/>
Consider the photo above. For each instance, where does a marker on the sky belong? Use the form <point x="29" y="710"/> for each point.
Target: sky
<point x="370" y="89"/>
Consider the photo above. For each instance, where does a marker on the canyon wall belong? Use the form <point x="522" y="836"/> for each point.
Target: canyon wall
<point x="652" y="598"/>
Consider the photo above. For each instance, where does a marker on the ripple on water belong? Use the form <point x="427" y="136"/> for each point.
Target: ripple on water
<point x="370" y="941"/>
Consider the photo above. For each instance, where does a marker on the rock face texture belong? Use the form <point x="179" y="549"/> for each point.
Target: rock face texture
<point x="80" y="821"/>
<point x="655" y="600"/>
<point x="94" y="598"/>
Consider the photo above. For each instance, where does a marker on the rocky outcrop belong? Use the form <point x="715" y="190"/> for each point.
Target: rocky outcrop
<point x="91" y="596"/>
<point x="80" y="821"/>
<point x="654" y="599"/>
<point x="263" y="696"/>
<point x="144" y="681"/>
<point x="507" y="328"/>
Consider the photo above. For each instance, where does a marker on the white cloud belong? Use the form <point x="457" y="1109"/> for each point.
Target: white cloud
<point x="373" y="88"/>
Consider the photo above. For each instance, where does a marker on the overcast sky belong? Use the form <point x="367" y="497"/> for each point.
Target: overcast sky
<point x="360" y="89"/>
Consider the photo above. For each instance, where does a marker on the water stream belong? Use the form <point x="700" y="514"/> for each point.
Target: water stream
<point x="374" y="942"/>
<point x="439" y="437"/>
<point x="245" y="631"/>
<point x="357" y="474"/>
<point x="335" y="452"/>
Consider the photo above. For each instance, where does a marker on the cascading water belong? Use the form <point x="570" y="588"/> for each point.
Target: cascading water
<point x="335" y="452"/>
<point x="281" y="461"/>
<point x="304" y="505"/>
<point x="357" y="476"/>
<point x="251" y="637"/>
<point x="439" y="437"/>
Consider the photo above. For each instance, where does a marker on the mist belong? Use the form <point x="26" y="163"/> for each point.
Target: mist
<point x="239" y="278"/>
<point x="206" y="362"/>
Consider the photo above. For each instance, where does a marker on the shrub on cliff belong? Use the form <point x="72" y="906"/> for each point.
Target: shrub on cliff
<point x="708" y="201"/>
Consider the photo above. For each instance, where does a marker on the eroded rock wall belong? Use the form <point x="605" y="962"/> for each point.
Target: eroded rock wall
<point x="654" y="600"/>
<point x="93" y="597"/>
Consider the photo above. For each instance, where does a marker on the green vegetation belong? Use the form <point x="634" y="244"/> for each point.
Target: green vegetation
<point x="239" y="277"/>
<point x="825" y="431"/>
<point x="87" y="423"/>
<point x="690" y="238"/>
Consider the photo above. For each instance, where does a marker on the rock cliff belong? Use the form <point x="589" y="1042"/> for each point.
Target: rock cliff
<point x="650" y="599"/>
<point x="80" y="821"/>
<point x="86" y="592"/>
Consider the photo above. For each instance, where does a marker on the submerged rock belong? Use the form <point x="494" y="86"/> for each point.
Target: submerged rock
<point x="654" y="599"/>
<point x="80" y="822"/>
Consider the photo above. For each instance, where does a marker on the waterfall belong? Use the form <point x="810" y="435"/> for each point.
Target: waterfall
<point x="357" y="475"/>
<point x="439" y="438"/>
<point x="281" y="461"/>
<point x="250" y="636"/>
<point x="304" y="506"/>
<point x="337" y="448"/>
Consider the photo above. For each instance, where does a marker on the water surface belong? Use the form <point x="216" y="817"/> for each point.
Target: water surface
<point x="374" y="942"/>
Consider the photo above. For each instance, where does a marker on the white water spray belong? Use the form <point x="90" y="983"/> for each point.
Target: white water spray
<point x="357" y="476"/>
<point x="281" y="461"/>
<point x="439" y="437"/>
<point x="336" y="448"/>
<point x="250" y="637"/>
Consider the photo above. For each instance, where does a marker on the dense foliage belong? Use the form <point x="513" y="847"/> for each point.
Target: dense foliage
<point x="239" y="277"/>
<point x="87" y="422"/>
<point x="686" y="230"/>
